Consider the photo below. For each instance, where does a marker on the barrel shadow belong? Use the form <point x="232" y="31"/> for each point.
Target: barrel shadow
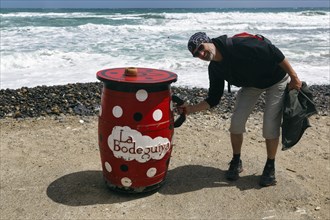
<point x="85" y="188"/>
<point x="88" y="187"/>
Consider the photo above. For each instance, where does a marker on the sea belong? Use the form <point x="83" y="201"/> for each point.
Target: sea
<point x="61" y="46"/>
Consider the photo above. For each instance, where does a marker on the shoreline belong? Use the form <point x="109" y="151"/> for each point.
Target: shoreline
<point x="83" y="99"/>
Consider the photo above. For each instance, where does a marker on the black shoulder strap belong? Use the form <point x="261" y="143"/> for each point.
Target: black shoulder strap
<point x="229" y="43"/>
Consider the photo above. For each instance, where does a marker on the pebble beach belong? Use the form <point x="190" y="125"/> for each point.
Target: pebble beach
<point x="84" y="99"/>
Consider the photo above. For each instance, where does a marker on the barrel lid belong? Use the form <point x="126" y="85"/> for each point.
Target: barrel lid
<point x="133" y="75"/>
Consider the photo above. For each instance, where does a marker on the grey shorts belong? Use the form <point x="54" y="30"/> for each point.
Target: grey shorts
<point x="245" y="101"/>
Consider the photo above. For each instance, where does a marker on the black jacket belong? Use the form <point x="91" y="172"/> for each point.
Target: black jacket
<point x="298" y="106"/>
<point x="249" y="63"/>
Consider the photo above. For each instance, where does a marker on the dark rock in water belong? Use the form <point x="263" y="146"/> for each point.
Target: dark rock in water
<point x="84" y="99"/>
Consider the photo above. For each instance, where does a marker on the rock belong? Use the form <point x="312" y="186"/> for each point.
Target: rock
<point x="17" y="114"/>
<point x="301" y="211"/>
<point x="56" y="110"/>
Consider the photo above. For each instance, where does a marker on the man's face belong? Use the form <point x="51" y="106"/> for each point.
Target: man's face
<point x="205" y="51"/>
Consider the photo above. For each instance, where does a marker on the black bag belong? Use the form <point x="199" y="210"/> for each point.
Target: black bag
<point x="298" y="106"/>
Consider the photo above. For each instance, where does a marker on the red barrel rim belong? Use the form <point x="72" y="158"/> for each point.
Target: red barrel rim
<point x="143" y="76"/>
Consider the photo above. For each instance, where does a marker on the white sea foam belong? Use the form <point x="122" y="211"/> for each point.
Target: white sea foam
<point x="48" y="48"/>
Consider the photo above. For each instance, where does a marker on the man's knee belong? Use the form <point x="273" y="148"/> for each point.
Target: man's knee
<point x="237" y="126"/>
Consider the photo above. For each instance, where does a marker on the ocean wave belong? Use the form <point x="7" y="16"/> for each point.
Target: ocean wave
<point x="72" y="46"/>
<point x="77" y="15"/>
<point x="182" y="20"/>
<point x="325" y="55"/>
<point x="152" y="16"/>
<point x="313" y="13"/>
<point x="46" y="14"/>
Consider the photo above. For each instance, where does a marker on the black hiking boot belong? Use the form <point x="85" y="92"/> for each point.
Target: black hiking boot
<point x="268" y="177"/>
<point x="232" y="173"/>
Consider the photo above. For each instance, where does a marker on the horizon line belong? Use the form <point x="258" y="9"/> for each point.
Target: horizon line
<point x="165" y="7"/>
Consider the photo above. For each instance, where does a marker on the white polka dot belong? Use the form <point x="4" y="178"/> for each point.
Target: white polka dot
<point x="151" y="172"/>
<point x="141" y="95"/>
<point x="117" y="111"/>
<point x="126" y="182"/>
<point x="157" y="115"/>
<point x="108" y="167"/>
<point x="100" y="111"/>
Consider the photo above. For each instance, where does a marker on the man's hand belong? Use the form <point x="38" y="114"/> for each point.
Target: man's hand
<point x="295" y="83"/>
<point x="185" y="108"/>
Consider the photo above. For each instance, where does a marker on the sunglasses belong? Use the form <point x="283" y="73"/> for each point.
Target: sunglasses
<point x="198" y="50"/>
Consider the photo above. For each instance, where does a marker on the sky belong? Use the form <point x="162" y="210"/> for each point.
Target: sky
<point x="162" y="4"/>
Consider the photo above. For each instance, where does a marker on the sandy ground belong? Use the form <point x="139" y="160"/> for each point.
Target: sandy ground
<point x="51" y="169"/>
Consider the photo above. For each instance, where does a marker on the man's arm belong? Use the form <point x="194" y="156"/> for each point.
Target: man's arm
<point x="189" y="109"/>
<point x="295" y="82"/>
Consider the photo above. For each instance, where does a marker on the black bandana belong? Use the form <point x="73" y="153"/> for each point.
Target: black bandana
<point x="196" y="40"/>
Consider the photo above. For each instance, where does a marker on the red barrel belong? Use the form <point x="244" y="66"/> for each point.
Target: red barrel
<point x="135" y="127"/>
